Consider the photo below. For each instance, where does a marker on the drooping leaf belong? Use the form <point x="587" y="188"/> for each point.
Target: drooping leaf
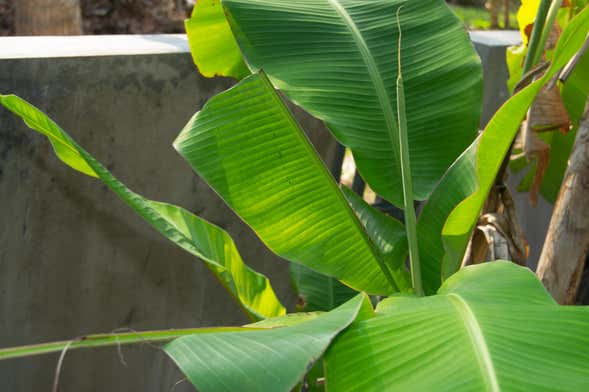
<point x="212" y="45"/>
<point x="193" y="234"/>
<point x="492" y="327"/>
<point x="337" y="60"/>
<point x="458" y="182"/>
<point x="247" y="145"/>
<point x="316" y="291"/>
<point x="269" y="360"/>
<point x="387" y="233"/>
<point x="495" y="143"/>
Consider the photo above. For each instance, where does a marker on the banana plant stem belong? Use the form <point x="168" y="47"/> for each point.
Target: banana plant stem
<point x="409" y="209"/>
<point x="535" y="38"/>
<point x="103" y="340"/>
<point x="550" y="18"/>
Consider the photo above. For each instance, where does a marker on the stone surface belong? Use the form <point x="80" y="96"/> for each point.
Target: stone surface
<point x="491" y="46"/>
<point x="76" y="260"/>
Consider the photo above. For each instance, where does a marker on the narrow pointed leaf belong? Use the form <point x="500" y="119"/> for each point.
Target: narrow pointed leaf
<point x="270" y="360"/>
<point x="492" y="327"/>
<point x="247" y="145"/>
<point x="212" y="45"/>
<point x="337" y="60"/>
<point x="495" y="143"/>
<point x="193" y="234"/>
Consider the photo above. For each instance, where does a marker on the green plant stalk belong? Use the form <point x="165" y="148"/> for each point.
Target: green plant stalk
<point x="550" y="18"/>
<point x="533" y="45"/>
<point x="409" y="209"/>
<point x="104" y="340"/>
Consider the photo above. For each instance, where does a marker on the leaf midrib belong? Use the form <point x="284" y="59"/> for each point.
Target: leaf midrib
<point x="479" y="343"/>
<point x="318" y="163"/>
<point x="374" y="73"/>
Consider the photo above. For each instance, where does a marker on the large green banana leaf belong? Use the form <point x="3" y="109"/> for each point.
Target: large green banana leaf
<point x="270" y="360"/>
<point x="193" y="234"/>
<point x="492" y="327"/>
<point x="337" y="59"/>
<point x="495" y="142"/>
<point x="322" y="292"/>
<point x="212" y="45"/>
<point x="247" y="145"/>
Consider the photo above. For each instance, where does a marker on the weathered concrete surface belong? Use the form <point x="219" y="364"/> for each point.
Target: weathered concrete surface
<point x="74" y="259"/>
<point x="491" y="46"/>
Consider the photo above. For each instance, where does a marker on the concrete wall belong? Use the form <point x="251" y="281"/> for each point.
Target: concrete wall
<point x="73" y="259"/>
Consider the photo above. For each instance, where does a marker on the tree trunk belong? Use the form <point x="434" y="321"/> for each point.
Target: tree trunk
<point x="506" y="24"/>
<point x="48" y="17"/>
<point x="493" y="6"/>
<point x="567" y="242"/>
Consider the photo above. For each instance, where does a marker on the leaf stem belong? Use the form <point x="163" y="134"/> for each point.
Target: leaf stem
<point x="547" y="29"/>
<point x="102" y="340"/>
<point x="533" y="45"/>
<point x="409" y="209"/>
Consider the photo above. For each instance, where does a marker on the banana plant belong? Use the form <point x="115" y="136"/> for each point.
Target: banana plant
<point x="397" y="82"/>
